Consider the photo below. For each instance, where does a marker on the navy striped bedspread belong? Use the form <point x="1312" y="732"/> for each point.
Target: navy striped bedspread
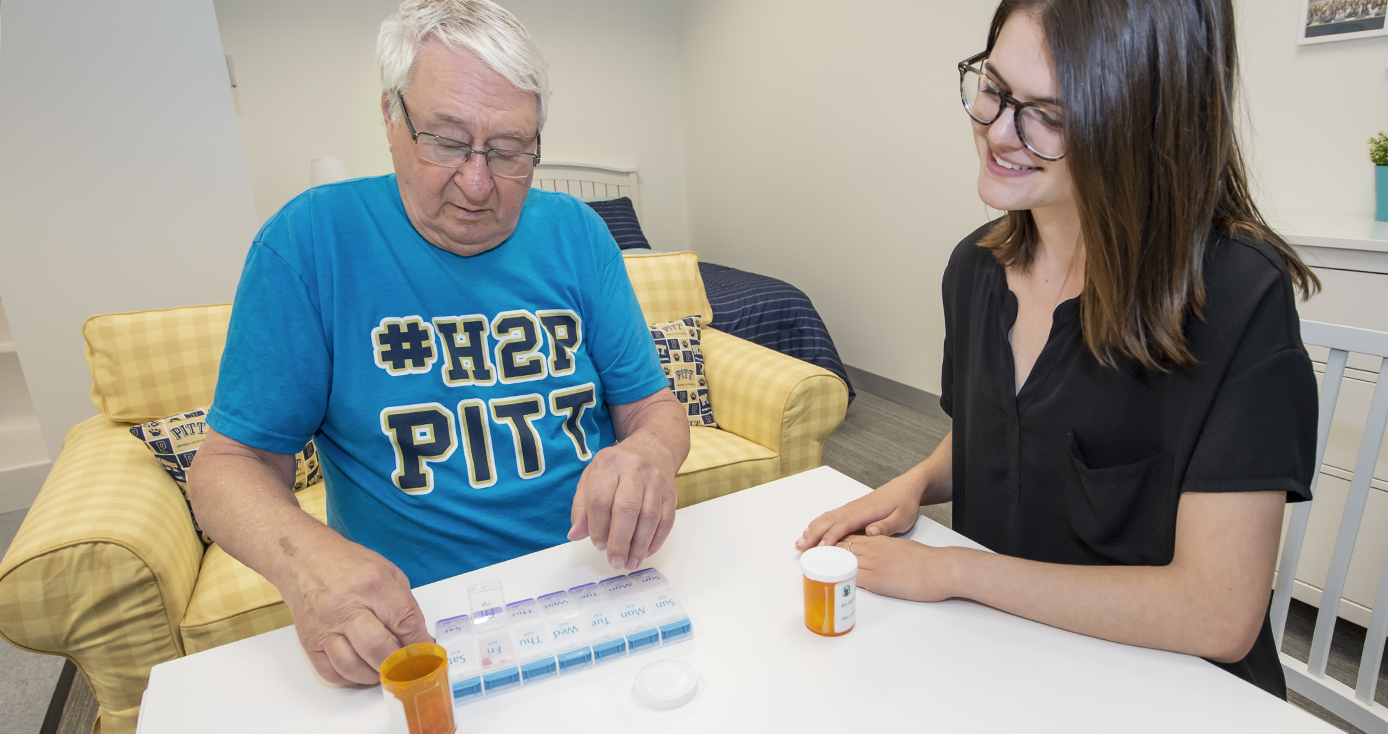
<point x="772" y="313"/>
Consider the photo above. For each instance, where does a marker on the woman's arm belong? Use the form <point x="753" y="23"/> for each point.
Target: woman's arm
<point x="1209" y="601"/>
<point x="894" y="507"/>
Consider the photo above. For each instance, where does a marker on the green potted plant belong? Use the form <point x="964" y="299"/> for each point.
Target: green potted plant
<point x="1378" y="153"/>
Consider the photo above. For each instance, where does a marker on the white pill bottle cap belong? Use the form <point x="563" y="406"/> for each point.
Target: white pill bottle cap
<point x="828" y="564"/>
<point x="666" y="684"/>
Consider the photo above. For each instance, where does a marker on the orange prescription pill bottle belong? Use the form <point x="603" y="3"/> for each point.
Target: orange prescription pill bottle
<point x="415" y="682"/>
<point x="830" y="589"/>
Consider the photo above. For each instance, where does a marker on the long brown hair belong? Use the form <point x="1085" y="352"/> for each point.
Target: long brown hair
<point x="1147" y="88"/>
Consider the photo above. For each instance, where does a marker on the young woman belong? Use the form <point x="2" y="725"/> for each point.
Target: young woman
<point x="1131" y="400"/>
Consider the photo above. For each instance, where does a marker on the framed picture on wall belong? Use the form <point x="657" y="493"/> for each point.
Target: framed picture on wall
<point x="1341" y="20"/>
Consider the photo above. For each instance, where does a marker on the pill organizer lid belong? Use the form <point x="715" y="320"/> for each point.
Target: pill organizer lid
<point x="649" y="578"/>
<point x="666" y="684"/>
<point x="447" y="629"/>
<point x="829" y="564"/>
<point x="585" y="594"/>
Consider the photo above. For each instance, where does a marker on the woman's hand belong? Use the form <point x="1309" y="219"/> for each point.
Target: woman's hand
<point x="892" y="509"/>
<point x="903" y="568"/>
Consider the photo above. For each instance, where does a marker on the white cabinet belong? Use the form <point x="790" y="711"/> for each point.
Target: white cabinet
<point x="24" y="461"/>
<point x="1350" y="255"/>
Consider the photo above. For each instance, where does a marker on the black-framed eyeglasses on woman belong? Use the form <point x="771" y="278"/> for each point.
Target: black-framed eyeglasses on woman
<point x="451" y="153"/>
<point x="1041" y="128"/>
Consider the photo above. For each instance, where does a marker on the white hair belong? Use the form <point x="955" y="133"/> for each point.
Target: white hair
<point x="481" y="27"/>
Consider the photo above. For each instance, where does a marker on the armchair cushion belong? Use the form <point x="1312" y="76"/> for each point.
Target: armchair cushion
<point x="721" y="463"/>
<point x="668" y="286"/>
<point x="150" y="364"/>
<point x="231" y="602"/>
<point x="773" y="411"/>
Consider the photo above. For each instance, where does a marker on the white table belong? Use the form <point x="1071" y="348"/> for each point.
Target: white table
<point x="951" y="666"/>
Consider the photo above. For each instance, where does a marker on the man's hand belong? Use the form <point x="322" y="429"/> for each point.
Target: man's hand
<point x="350" y="607"/>
<point x="626" y="497"/>
<point x="625" y="504"/>
<point x="347" y="601"/>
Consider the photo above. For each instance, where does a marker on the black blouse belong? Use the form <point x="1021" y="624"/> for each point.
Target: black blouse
<point x="1085" y="465"/>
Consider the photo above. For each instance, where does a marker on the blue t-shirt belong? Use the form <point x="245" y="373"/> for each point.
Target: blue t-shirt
<point x="455" y="400"/>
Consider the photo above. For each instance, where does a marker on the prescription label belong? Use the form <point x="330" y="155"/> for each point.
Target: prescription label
<point x="845" y="594"/>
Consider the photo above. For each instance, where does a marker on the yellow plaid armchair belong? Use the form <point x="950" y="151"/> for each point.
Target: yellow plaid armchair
<point x="774" y="412"/>
<point x="108" y="571"/>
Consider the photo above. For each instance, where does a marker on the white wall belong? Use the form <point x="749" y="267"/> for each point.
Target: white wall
<point x="1311" y="111"/>
<point x="123" y="184"/>
<point x="307" y="88"/>
<point x="826" y="146"/>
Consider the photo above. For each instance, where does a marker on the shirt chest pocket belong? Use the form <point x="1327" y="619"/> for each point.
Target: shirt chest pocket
<point x="1126" y="514"/>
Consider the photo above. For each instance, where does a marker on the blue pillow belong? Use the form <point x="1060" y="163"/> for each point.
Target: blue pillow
<point x="620" y="216"/>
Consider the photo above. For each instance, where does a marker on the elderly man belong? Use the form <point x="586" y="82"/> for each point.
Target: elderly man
<point x="465" y="351"/>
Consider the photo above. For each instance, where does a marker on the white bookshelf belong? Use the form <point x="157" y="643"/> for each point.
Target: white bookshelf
<point x="24" y="460"/>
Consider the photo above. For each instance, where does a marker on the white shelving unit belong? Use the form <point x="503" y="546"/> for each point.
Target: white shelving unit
<point x="24" y="460"/>
<point x="1349" y="253"/>
<point x="1353" y="242"/>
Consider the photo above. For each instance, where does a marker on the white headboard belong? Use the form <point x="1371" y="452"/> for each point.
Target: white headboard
<point x="583" y="180"/>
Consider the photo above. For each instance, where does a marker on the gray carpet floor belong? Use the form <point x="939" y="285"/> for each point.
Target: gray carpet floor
<point x="1346" y="647"/>
<point x="27" y="679"/>
<point x="80" y="710"/>
<point x="879" y="440"/>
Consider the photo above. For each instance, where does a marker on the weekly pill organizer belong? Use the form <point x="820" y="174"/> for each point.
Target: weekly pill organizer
<point x="502" y="646"/>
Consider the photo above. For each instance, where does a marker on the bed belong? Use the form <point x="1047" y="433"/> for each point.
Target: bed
<point x="758" y="308"/>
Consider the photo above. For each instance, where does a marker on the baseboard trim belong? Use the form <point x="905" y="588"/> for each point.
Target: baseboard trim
<point x="897" y="392"/>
